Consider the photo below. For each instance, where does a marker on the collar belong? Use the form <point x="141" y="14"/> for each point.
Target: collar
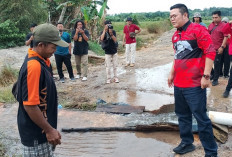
<point x="32" y="53"/>
<point x="184" y="27"/>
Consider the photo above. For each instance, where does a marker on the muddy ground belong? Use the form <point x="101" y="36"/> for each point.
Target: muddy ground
<point x="139" y="85"/>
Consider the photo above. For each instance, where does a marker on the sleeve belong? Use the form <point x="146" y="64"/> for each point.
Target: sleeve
<point x="73" y="33"/>
<point x="31" y="82"/>
<point x="114" y="33"/>
<point x="226" y="29"/>
<point x="137" y="27"/>
<point x="205" y="43"/>
<point x="124" y="29"/>
<point x="28" y="37"/>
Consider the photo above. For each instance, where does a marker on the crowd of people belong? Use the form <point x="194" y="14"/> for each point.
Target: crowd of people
<point x="197" y="50"/>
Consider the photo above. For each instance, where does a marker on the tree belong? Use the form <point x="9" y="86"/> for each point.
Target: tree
<point x="22" y="12"/>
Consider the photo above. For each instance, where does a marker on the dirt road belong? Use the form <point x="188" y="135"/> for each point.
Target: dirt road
<point x="144" y="84"/>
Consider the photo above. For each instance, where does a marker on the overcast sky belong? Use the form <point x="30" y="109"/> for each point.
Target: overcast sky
<point x="128" y="6"/>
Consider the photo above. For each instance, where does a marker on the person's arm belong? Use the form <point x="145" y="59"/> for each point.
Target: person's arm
<point x="75" y="37"/>
<point x="205" y="81"/>
<point x="113" y="35"/>
<point x="84" y="35"/>
<point x="70" y="48"/>
<point x="28" y="42"/>
<point x="171" y="76"/>
<point x="220" y="50"/>
<point x="103" y="33"/>
<point x="53" y="136"/>
<point x="138" y="30"/>
<point x="124" y="39"/>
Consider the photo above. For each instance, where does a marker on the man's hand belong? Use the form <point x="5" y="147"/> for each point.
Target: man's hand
<point x="111" y="32"/>
<point x="220" y="50"/>
<point x="53" y="137"/>
<point x="31" y="38"/>
<point x="106" y="28"/>
<point x="170" y="80"/>
<point x="205" y="83"/>
<point x="81" y="31"/>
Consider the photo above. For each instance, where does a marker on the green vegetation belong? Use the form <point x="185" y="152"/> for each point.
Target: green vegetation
<point x="96" y="47"/>
<point x="6" y="96"/>
<point x="2" y="150"/>
<point x="7" y="76"/>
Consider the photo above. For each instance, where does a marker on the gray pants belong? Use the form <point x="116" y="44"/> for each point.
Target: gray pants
<point x="83" y="59"/>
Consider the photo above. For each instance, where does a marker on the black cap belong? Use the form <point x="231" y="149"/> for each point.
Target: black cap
<point x="107" y="22"/>
<point x="129" y="19"/>
<point x="33" y="25"/>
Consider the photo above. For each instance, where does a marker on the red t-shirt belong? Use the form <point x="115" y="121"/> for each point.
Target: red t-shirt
<point x="228" y="30"/>
<point x="217" y="34"/>
<point x="127" y="29"/>
<point x="192" y="44"/>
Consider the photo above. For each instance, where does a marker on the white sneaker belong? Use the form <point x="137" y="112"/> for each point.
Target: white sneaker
<point x="84" y="79"/>
<point x="108" y="81"/>
<point x="77" y="77"/>
<point x="116" y="80"/>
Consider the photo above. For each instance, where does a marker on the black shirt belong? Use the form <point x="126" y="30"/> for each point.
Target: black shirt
<point x="112" y="46"/>
<point x="80" y="46"/>
<point x="28" y="130"/>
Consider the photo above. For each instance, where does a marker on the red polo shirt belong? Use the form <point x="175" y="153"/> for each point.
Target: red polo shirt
<point x="218" y="34"/>
<point x="128" y="29"/>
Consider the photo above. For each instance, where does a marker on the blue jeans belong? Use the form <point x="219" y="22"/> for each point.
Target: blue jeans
<point x="192" y="101"/>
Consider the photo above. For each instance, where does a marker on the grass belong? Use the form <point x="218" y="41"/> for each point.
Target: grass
<point x="2" y="150"/>
<point x="96" y="47"/>
<point x="6" y="96"/>
<point x="8" y="75"/>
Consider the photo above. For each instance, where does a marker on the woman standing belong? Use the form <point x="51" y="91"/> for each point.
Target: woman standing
<point x="80" y="36"/>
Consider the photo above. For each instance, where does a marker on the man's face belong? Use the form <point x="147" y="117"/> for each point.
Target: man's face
<point x="129" y="22"/>
<point x="47" y="50"/>
<point x="216" y="18"/>
<point x="79" y="25"/>
<point x="32" y="28"/>
<point x="177" y="19"/>
<point x="60" y="27"/>
<point x="197" y="19"/>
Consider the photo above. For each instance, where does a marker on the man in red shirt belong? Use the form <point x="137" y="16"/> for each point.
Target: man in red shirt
<point x="190" y="75"/>
<point x="219" y="39"/>
<point x="130" y="41"/>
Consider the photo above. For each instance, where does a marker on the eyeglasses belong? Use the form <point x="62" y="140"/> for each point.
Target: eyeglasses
<point x="173" y="17"/>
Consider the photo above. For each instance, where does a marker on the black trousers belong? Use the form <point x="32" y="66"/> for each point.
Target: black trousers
<point x="66" y="59"/>
<point x="229" y="85"/>
<point x="225" y="61"/>
<point x="217" y="65"/>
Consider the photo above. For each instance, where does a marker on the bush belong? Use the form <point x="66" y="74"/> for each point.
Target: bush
<point x="95" y="47"/>
<point x="159" y="27"/>
<point x="6" y="95"/>
<point x="10" y="35"/>
<point x="7" y="76"/>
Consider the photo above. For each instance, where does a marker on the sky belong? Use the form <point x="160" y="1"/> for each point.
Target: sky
<point x="133" y="6"/>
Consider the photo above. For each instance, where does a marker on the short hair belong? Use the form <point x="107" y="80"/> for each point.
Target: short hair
<point x="183" y="9"/>
<point x="33" y="25"/>
<point x="59" y="23"/>
<point x="75" y="26"/>
<point x="36" y="43"/>
<point x="217" y="12"/>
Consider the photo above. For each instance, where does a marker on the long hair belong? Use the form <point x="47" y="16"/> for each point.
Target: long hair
<point x="83" y="24"/>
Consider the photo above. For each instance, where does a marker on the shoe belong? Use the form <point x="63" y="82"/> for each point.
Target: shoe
<point x="183" y="148"/>
<point x="84" y="79"/>
<point x="227" y="76"/>
<point x="62" y="80"/>
<point x="116" y="80"/>
<point x="226" y="94"/>
<point x="72" y="79"/>
<point x="214" y="83"/>
<point x="220" y="75"/>
<point x="211" y="156"/>
<point x="77" y="77"/>
<point x="132" y="65"/>
<point x="108" y="81"/>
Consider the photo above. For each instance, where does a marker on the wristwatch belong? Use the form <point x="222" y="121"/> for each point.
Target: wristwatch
<point x="207" y="76"/>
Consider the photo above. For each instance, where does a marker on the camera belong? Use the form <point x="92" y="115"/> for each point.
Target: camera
<point x="110" y="27"/>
